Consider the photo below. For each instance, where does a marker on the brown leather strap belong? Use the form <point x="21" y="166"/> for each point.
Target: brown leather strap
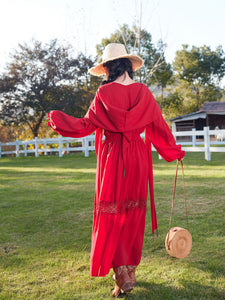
<point x="174" y="189"/>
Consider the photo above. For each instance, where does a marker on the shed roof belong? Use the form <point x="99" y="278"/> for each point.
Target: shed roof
<point x="217" y="108"/>
<point x="213" y="107"/>
<point x="191" y="116"/>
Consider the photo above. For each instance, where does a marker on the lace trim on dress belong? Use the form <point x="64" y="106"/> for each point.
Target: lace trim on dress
<point x="106" y="207"/>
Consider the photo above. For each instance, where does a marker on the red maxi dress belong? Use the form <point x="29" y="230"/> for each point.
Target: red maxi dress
<point x="124" y="168"/>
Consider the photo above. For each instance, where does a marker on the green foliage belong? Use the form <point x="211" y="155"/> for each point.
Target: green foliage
<point x="41" y="78"/>
<point x="46" y="221"/>
<point x="199" y="72"/>
<point x="211" y="93"/>
<point x="173" y="106"/>
<point x="162" y="74"/>
<point x="200" y="65"/>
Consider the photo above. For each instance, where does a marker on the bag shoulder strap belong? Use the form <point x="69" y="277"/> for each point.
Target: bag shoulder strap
<point x="174" y="189"/>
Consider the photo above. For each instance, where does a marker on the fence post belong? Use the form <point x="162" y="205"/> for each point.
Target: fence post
<point x="207" y="143"/>
<point x="36" y="147"/>
<point x="17" y="149"/>
<point x="67" y="147"/>
<point x="45" y="145"/>
<point x="85" y="146"/>
<point x="193" y="137"/>
<point x="60" y="146"/>
<point x="25" y="148"/>
<point x="173" y="126"/>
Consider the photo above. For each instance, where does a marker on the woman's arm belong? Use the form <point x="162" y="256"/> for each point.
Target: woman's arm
<point x="160" y="135"/>
<point x="70" y="126"/>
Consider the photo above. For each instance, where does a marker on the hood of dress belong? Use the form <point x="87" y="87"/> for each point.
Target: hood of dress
<point x="109" y="117"/>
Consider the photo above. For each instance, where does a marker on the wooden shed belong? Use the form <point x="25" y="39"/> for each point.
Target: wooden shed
<point x="211" y="114"/>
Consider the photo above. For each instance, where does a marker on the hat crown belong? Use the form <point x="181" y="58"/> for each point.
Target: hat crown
<point x="113" y="50"/>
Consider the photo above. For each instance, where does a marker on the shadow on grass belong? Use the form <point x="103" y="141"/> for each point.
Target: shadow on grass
<point x="189" y="290"/>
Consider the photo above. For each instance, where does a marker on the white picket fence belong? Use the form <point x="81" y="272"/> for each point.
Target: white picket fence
<point x="66" y="145"/>
<point x="47" y="146"/>
<point x="209" y="139"/>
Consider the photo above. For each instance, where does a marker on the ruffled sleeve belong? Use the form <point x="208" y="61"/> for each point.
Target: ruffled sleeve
<point x="160" y="135"/>
<point x="69" y="126"/>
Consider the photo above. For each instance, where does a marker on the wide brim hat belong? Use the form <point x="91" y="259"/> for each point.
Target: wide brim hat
<point x="115" y="51"/>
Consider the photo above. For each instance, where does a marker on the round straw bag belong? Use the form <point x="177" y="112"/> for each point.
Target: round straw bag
<point x="178" y="240"/>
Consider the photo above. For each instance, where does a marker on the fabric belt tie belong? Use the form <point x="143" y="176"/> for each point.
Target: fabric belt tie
<point x="151" y="187"/>
<point x="126" y="138"/>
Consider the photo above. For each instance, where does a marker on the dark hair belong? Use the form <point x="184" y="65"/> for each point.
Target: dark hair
<point x="117" y="68"/>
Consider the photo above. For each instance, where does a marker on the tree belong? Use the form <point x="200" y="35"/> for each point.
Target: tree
<point x="199" y="72"/>
<point x="173" y="105"/>
<point x="163" y="74"/>
<point x="139" y="41"/>
<point x="41" y="78"/>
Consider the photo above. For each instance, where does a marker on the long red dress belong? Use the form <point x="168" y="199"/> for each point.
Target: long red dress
<point x="124" y="168"/>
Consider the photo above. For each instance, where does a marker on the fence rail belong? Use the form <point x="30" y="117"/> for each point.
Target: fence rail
<point x="66" y="145"/>
<point x="209" y="138"/>
<point x="46" y="146"/>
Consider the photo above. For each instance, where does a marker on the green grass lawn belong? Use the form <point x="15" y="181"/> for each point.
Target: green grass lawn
<point x="46" y="206"/>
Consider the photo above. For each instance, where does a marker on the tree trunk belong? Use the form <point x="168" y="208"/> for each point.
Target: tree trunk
<point x="35" y="128"/>
<point x="35" y="132"/>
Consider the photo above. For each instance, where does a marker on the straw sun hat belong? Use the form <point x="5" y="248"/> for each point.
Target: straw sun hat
<point x="115" y="51"/>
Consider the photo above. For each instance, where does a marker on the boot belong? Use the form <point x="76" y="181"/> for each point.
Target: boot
<point x="122" y="279"/>
<point x="131" y="273"/>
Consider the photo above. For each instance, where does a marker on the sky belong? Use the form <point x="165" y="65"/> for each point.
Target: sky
<point x="83" y="23"/>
